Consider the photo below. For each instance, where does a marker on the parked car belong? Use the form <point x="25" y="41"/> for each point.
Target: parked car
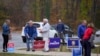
<point x="53" y="33"/>
<point x="97" y="34"/>
<point x="68" y="30"/>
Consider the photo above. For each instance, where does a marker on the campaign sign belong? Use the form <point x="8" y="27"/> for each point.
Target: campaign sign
<point x="73" y="43"/>
<point x="10" y="47"/>
<point x="77" y="51"/>
<point x="38" y="44"/>
<point x="54" y="43"/>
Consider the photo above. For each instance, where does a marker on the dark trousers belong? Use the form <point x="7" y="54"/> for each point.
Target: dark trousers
<point x="87" y="48"/>
<point x="5" y="41"/>
<point x="82" y="46"/>
<point x="61" y="35"/>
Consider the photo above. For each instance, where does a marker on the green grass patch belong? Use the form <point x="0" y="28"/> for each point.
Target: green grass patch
<point x="97" y="49"/>
<point x="13" y="54"/>
<point x="97" y="43"/>
<point x="63" y="48"/>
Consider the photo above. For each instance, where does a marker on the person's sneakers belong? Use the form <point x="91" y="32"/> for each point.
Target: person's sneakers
<point x="27" y="50"/>
<point x="33" y="50"/>
<point x="4" y="50"/>
<point x="45" y="51"/>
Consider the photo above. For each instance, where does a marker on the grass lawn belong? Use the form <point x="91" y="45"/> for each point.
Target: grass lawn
<point x="97" y="49"/>
<point x="13" y="54"/>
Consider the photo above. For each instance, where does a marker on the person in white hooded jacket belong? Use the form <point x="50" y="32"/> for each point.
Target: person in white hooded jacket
<point x="45" y="33"/>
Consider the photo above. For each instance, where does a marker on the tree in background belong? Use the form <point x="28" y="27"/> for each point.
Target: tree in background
<point x="20" y="11"/>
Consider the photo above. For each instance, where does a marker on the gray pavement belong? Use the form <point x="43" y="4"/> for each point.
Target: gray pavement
<point x="50" y="53"/>
<point x="16" y="38"/>
<point x="46" y="53"/>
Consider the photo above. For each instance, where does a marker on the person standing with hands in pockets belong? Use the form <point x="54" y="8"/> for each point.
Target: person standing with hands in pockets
<point x="81" y="29"/>
<point x="60" y="29"/>
<point x="6" y="34"/>
<point x="30" y="33"/>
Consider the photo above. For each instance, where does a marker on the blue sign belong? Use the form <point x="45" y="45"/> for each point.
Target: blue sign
<point x="73" y="43"/>
<point x="11" y="50"/>
<point x="54" y="43"/>
<point x="77" y="51"/>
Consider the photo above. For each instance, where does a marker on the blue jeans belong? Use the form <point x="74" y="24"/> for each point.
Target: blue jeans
<point x="28" y="42"/>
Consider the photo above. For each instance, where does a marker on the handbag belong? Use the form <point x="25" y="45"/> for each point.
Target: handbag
<point x="24" y="39"/>
<point x="91" y="40"/>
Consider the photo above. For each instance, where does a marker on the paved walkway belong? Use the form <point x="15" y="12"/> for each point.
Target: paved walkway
<point x="47" y="53"/>
<point x="17" y="39"/>
<point x="52" y="53"/>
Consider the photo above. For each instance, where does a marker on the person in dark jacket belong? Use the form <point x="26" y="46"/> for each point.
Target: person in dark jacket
<point x="60" y="29"/>
<point x="81" y="29"/>
<point x="30" y="33"/>
<point x="87" y="35"/>
<point x="6" y="34"/>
